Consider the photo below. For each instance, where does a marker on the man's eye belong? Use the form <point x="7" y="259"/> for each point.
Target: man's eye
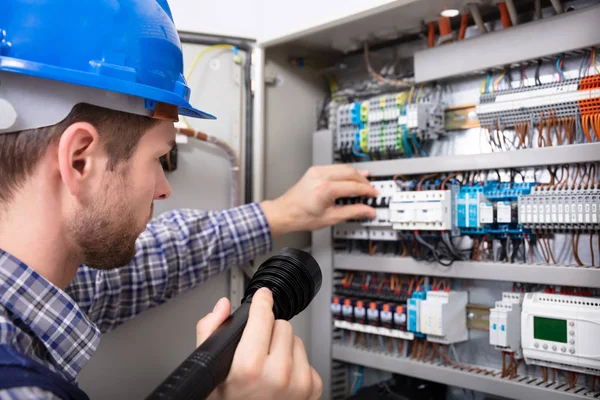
<point x="169" y="161"/>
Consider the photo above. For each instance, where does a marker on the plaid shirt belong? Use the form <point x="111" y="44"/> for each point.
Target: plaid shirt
<point x="177" y="251"/>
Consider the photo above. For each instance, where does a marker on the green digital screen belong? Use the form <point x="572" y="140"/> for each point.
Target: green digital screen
<point x="554" y="330"/>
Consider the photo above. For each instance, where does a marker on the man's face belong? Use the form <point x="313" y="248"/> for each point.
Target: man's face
<point x="106" y="227"/>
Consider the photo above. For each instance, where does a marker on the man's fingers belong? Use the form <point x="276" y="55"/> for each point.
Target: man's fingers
<point x="302" y="371"/>
<point x="280" y="360"/>
<point x="256" y="339"/>
<point x="341" y="172"/>
<point x="317" y="385"/>
<point x="282" y="341"/>
<point x="335" y="215"/>
<point x="207" y="325"/>
<point x="348" y="189"/>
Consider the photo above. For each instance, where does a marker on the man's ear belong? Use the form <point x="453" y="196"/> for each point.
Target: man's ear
<point x="79" y="155"/>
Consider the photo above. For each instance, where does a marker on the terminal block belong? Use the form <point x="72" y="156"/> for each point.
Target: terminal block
<point x="561" y="209"/>
<point x="526" y="104"/>
<point x="443" y="317"/>
<point x="385" y="135"/>
<point x="426" y="120"/>
<point x="349" y="138"/>
<point x="505" y="323"/>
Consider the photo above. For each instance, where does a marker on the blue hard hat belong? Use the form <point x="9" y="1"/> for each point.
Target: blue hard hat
<point x="125" y="46"/>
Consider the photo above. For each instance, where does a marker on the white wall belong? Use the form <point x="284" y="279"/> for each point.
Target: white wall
<point x="262" y="19"/>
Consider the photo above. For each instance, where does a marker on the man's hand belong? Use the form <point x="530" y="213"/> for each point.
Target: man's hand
<point x="310" y="204"/>
<point x="269" y="362"/>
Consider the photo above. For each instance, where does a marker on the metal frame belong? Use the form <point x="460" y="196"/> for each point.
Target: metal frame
<point x="576" y="153"/>
<point x="322" y="244"/>
<point x="526" y="273"/>
<point x="244" y="147"/>
<point x="549" y="36"/>
<point x="512" y="389"/>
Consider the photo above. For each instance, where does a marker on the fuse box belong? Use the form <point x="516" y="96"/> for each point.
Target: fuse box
<point x="443" y="317"/>
<point x="360" y="312"/>
<point x="336" y="308"/>
<point x="561" y="331"/>
<point x="386" y="316"/>
<point x="505" y="323"/>
<point x="348" y="310"/>
<point x="373" y="314"/>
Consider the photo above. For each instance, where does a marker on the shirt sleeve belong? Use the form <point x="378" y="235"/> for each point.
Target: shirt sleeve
<point x="27" y="393"/>
<point x="178" y="250"/>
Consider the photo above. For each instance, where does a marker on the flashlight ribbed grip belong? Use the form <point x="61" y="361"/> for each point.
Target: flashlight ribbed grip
<point x="208" y="365"/>
<point x="293" y="277"/>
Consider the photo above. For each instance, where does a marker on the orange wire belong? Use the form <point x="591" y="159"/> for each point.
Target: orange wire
<point x="431" y="34"/>
<point x="585" y="124"/>
<point x="444" y="26"/>
<point x="504" y="16"/>
<point x="463" y="26"/>
<point x="595" y="125"/>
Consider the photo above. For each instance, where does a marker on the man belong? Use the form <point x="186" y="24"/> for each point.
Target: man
<point x="89" y="91"/>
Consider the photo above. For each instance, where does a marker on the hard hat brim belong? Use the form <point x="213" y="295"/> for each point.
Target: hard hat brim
<point x="103" y="81"/>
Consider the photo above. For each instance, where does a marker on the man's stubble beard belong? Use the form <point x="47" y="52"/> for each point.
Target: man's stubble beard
<point x="106" y="230"/>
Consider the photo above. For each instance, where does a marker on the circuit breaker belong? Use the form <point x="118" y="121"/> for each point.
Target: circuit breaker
<point x="505" y="323"/>
<point x="561" y="331"/>
<point x="426" y="210"/>
<point x="443" y="317"/>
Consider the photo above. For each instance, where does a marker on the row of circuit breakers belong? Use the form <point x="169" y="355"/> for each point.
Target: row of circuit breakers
<point x="544" y="329"/>
<point x="494" y="208"/>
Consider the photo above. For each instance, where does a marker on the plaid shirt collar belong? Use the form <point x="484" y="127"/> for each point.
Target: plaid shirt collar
<point x="50" y="314"/>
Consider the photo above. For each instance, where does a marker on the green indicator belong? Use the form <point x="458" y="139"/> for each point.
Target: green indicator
<point x="554" y="330"/>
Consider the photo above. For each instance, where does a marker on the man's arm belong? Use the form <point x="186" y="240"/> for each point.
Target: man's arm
<point x="179" y="250"/>
<point x="182" y="249"/>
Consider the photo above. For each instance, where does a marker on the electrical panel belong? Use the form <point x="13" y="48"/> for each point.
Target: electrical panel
<point x="483" y="253"/>
<point x="443" y="317"/>
<point x="505" y="323"/>
<point x="561" y="331"/>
